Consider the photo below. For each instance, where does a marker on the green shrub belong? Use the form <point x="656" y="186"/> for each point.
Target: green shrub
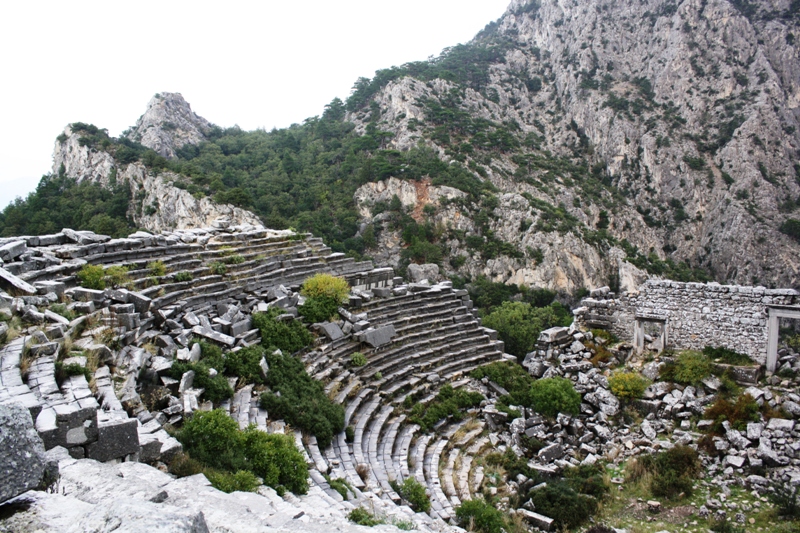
<point x="738" y="413"/>
<point x="339" y="485"/>
<point x="73" y="369"/>
<point x="183" y="466"/>
<point x="350" y="434"/>
<point x="288" y="336"/>
<point x="302" y="401"/>
<point x="92" y="277"/>
<point x="213" y="438"/>
<point x="244" y="363"/>
<point x="362" y="517"/>
<point x="318" y="308"/>
<point x="477" y="515"/>
<point x="216" y="388"/>
<point x="358" y="359"/>
<point x="722" y="525"/>
<point x="726" y="356"/>
<point x="180" y="277"/>
<point x="157" y="268"/>
<point x="555" y="395"/>
<point x="275" y="458"/>
<point x="628" y="385"/>
<point x="414" y="493"/>
<point x="785" y="500"/>
<point x="587" y="479"/>
<point x="447" y="403"/>
<point x="326" y="286"/>
<point x="219" y="268"/>
<point x="62" y="310"/>
<point x="672" y="471"/>
<point x="241" y="480"/>
<point x="117" y="276"/>
<point x="235" y="259"/>
<point x="563" y="504"/>
<point x="690" y="368"/>
<point x="511" y="376"/>
<point x="519" y="324"/>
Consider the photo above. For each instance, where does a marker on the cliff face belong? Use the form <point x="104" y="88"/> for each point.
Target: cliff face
<point x="168" y="124"/>
<point x="157" y="204"/>
<point x="685" y="117"/>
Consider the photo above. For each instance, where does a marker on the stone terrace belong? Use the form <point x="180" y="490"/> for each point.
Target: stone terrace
<point x="416" y="338"/>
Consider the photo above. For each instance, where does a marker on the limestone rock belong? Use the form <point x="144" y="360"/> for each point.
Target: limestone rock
<point x="23" y="464"/>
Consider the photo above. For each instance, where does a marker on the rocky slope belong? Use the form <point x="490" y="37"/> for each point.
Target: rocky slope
<point x="157" y="204"/>
<point x="673" y="125"/>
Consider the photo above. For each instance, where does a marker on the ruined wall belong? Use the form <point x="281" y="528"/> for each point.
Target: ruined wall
<point x="696" y="314"/>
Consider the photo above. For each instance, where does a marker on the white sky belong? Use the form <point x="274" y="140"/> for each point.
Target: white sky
<point x="255" y="64"/>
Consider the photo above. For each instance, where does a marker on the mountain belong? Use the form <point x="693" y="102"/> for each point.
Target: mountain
<point x="568" y="145"/>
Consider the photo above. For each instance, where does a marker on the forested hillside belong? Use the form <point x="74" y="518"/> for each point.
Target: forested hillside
<point x="565" y="146"/>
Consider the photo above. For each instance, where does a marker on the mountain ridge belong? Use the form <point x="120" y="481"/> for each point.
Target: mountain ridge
<point x="591" y="144"/>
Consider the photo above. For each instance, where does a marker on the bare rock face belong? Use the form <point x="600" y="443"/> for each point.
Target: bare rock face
<point x="159" y="205"/>
<point x="168" y="124"/>
<point x="689" y="111"/>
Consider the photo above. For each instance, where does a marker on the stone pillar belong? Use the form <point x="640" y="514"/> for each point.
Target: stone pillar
<point x="638" y="336"/>
<point x="773" y="327"/>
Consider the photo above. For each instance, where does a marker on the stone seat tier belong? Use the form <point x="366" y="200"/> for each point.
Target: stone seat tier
<point x="12" y="386"/>
<point x="439" y="502"/>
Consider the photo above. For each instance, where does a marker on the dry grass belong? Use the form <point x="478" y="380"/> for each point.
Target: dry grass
<point x="363" y="471"/>
<point x="337" y="386"/>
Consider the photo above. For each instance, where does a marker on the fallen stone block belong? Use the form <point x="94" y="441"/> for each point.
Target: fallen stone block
<point x="23" y="463"/>
<point x="116" y="438"/>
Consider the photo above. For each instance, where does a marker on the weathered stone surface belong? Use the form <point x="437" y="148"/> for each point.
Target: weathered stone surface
<point x="116" y="437"/>
<point x="23" y="464"/>
<point x="16" y="283"/>
<point x="377" y="337"/>
<point x="331" y="330"/>
<point x="418" y="273"/>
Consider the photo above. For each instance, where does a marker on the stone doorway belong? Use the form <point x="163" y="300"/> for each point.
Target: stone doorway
<point x="650" y="333"/>
<point x="775" y="313"/>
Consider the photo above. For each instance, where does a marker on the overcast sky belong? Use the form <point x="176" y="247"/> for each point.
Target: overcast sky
<point x="256" y="64"/>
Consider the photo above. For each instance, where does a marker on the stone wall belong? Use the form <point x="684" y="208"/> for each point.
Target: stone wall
<point x="696" y="314"/>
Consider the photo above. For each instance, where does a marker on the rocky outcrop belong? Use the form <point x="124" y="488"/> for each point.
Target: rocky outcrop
<point x="687" y="115"/>
<point x="168" y="124"/>
<point x="23" y="464"/>
<point x="158" y="205"/>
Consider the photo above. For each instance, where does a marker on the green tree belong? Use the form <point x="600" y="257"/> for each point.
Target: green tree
<point x="518" y="324"/>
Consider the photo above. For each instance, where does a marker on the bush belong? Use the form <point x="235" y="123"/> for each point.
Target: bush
<point x="326" y="286"/>
<point x="319" y="308"/>
<point x="73" y="369"/>
<point x="157" y="268"/>
<point x="242" y="480"/>
<point x="92" y="277"/>
<point x="216" y="388"/>
<point x="744" y="410"/>
<point x="477" y="515"/>
<point x="349" y="434"/>
<point x="672" y="471"/>
<point x="555" y="395"/>
<point x="245" y="363"/>
<point x="358" y="359"/>
<point x="302" y="401"/>
<point x="219" y="268"/>
<point x="339" y="485"/>
<point x="628" y="385"/>
<point x="275" y="458"/>
<point x="511" y="376"/>
<point x="587" y="479"/>
<point x="447" y="403"/>
<point x="288" y="336"/>
<point x="214" y="439"/>
<point x="180" y="277"/>
<point x="726" y="356"/>
<point x="564" y="505"/>
<point x="414" y="493"/>
<point x="183" y="466"/>
<point x="785" y="500"/>
<point x="689" y="368"/>
<point x="117" y="276"/>
<point x="519" y="324"/>
<point x="362" y="517"/>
